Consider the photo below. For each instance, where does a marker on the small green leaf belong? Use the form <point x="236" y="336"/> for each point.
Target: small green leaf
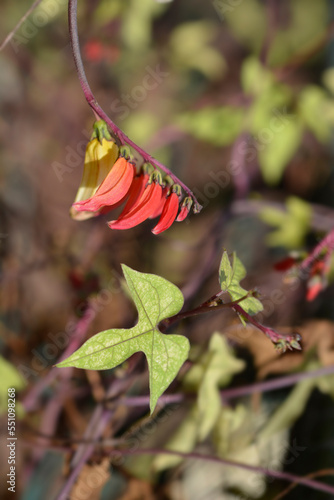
<point x="292" y="225"/>
<point x="230" y="277"/>
<point x="155" y="299"/>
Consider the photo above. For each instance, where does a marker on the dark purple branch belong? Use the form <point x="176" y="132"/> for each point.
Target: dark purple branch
<point x="281" y="340"/>
<point x="326" y="244"/>
<point x="234" y="392"/>
<point x="31" y="399"/>
<point x="285" y="476"/>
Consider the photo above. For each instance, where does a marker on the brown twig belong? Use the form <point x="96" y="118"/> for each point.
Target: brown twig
<point x="19" y="24"/>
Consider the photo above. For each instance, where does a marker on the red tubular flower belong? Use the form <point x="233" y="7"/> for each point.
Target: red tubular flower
<point x="113" y="189"/>
<point x="285" y="264"/>
<point x="169" y="213"/>
<point x="185" y="209"/>
<point x="137" y="189"/>
<point x="318" y="279"/>
<point x="314" y="287"/>
<point x="161" y="205"/>
<point x="141" y="209"/>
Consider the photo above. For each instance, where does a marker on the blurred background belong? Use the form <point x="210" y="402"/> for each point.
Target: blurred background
<point x="236" y="97"/>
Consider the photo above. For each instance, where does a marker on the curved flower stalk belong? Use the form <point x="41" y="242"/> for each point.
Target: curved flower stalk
<point x="111" y="178"/>
<point x="100" y="114"/>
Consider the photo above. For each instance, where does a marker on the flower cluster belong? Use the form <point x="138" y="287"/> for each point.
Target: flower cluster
<point x="111" y="178"/>
<point x="316" y="274"/>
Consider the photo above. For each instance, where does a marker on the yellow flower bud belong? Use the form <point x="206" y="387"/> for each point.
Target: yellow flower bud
<point x="99" y="160"/>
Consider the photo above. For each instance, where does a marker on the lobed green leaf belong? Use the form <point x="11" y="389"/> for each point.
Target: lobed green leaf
<point x="155" y="299"/>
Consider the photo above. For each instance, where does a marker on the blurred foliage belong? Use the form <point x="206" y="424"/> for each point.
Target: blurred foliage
<point x="240" y="107"/>
<point x="213" y="370"/>
<point x="292" y="225"/>
<point x="14" y="380"/>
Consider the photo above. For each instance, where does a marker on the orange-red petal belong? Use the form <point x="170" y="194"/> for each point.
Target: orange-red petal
<point x="141" y="210"/>
<point x="168" y="214"/>
<point x="161" y="205"/>
<point x="137" y="189"/>
<point x="185" y="209"/>
<point x="114" y="176"/>
<point x="110" y="193"/>
<point x="313" y="291"/>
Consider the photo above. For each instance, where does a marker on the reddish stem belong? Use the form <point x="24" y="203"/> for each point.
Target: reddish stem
<point x="327" y="243"/>
<point x="90" y="98"/>
<point x="285" y="476"/>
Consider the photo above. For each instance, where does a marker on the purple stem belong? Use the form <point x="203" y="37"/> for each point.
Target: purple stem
<point x="241" y="180"/>
<point x="234" y="392"/>
<point x="326" y="243"/>
<point x="98" y="111"/>
<point x="281" y="340"/>
<point x="30" y="400"/>
<point x="286" y="340"/>
<point x="93" y="433"/>
<point x="285" y="476"/>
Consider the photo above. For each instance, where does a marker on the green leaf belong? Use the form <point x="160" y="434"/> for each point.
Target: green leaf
<point x="190" y="48"/>
<point x="12" y="378"/>
<point x="137" y="23"/>
<point x="183" y="440"/>
<point x="279" y="150"/>
<point x="214" y="369"/>
<point x="292" y="225"/>
<point x="234" y="429"/>
<point x="230" y="277"/>
<point x="255" y="78"/>
<point x="293" y="406"/>
<point x="313" y="106"/>
<point x="155" y="299"/>
<point x="219" y="126"/>
<point x="220" y="364"/>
